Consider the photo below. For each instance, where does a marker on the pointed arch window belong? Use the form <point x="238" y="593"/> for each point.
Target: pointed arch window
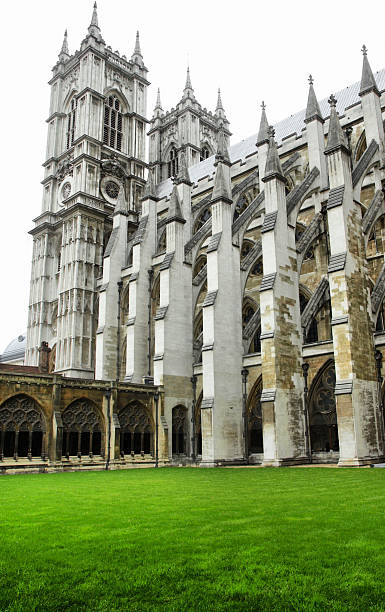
<point x="172" y="165"/>
<point x="71" y="124"/>
<point x="113" y="123"/>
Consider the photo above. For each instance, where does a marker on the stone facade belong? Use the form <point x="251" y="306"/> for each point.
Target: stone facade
<point x="246" y="284"/>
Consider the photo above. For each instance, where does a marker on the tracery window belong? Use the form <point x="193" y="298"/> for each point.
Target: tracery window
<point x="81" y="430"/>
<point x="179" y="430"/>
<point x="22" y="428"/>
<point x="172" y="166"/>
<point x="322" y="412"/>
<point x="113" y="122"/>
<point x="205" y="153"/>
<point x="135" y="430"/>
<point x="202" y="219"/>
<point x="71" y="124"/>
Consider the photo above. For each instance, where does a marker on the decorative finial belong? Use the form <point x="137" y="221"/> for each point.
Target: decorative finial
<point x="310" y="79"/>
<point x="188" y="79"/>
<point x="364" y="50"/>
<point x="332" y="101"/>
<point x="263" y="106"/>
<point x="271" y="131"/>
<point x="94" y="20"/>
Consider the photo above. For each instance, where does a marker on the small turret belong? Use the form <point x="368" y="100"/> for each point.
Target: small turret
<point x="158" y="110"/>
<point x="220" y="111"/>
<point x="188" y="91"/>
<point x="93" y="28"/>
<point x="137" y="56"/>
<point x="273" y="167"/>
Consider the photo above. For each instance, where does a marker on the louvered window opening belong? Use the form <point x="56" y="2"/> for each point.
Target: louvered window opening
<point x="71" y="124"/>
<point x="113" y="121"/>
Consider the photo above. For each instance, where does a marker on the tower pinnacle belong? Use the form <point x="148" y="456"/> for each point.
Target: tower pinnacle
<point x="188" y="89"/>
<point x="93" y="28"/>
<point x="219" y="102"/>
<point x="64" y="53"/>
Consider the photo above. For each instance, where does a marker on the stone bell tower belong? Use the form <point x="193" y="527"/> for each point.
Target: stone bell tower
<point x="95" y="165"/>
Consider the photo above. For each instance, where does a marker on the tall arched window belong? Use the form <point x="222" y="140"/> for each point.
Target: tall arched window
<point x="179" y="430"/>
<point x="322" y="411"/>
<point x="172" y="166"/>
<point x="113" y="121"/>
<point x="71" y="124"/>
<point x="205" y="153"/>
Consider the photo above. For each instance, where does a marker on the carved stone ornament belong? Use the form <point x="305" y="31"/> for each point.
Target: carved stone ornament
<point x="65" y="168"/>
<point x="112" y="166"/>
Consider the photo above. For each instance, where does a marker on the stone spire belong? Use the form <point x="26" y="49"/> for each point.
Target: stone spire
<point x="188" y="89"/>
<point x="183" y="174"/>
<point x="336" y="138"/>
<point x="137" y="50"/>
<point x="312" y="109"/>
<point x="93" y="28"/>
<point x="219" y="102"/>
<point x="368" y="82"/>
<point x="64" y="52"/>
<point x="273" y="167"/>
<point x="174" y="208"/>
<point x="263" y="133"/>
<point x="222" y="154"/>
<point x="158" y="105"/>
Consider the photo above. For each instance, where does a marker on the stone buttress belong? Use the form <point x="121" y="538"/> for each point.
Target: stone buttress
<point x="281" y="338"/>
<point x="173" y="321"/>
<point x="359" y="421"/>
<point x="143" y="248"/>
<point x="222" y="349"/>
<point x="113" y="261"/>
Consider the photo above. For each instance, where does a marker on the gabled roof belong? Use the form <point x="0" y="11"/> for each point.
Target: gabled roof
<point x="349" y="96"/>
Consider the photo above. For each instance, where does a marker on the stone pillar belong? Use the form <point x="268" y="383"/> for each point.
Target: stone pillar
<point x="359" y="420"/>
<point x="281" y="337"/>
<point x="221" y="410"/>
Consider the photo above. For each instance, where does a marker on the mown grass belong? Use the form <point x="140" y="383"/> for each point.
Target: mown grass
<point x="189" y="539"/>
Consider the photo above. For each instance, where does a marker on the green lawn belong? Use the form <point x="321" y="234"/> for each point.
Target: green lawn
<point x="190" y="539"/>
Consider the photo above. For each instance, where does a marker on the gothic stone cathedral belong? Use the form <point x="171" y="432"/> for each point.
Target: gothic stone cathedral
<point x="226" y="302"/>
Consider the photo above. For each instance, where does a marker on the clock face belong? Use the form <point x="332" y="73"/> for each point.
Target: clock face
<point x="66" y="190"/>
<point x="112" y="189"/>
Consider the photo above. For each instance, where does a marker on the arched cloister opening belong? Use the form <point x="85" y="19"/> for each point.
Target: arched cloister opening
<point x="322" y="410"/>
<point x="254" y="409"/>
<point x="179" y="430"/>
<point x="136" y="430"/>
<point x="23" y="429"/>
<point x="83" y="431"/>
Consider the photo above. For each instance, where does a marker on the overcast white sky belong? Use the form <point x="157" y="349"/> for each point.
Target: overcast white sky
<point x="253" y="50"/>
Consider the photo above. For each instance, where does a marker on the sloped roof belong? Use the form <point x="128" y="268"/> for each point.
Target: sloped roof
<point x="15" y="349"/>
<point x="349" y="96"/>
